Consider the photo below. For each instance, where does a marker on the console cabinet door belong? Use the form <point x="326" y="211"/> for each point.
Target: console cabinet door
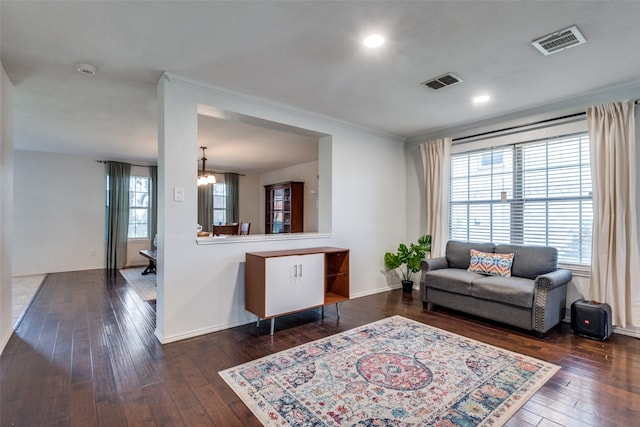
<point x="310" y="280"/>
<point x="293" y="283"/>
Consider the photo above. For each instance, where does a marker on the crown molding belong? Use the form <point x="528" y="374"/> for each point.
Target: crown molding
<point x="266" y="103"/>
<point x="572" y="105"/>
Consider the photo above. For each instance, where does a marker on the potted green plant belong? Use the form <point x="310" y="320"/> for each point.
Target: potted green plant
<point x="409" y="257"/>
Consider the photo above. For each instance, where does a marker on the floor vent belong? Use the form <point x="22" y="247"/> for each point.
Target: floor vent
<point x="442" y="81"/>
<point x="560" y="40"/>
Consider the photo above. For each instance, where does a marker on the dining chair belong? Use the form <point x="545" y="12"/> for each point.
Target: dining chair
<point x="244" y="228"/>
<point x="218" y="230"/>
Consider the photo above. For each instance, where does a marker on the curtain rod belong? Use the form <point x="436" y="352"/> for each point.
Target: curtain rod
<point x="114" y="161"/>
<point x="524" y="125"/>
<point x="222" y="173"/>
<point x="519" y="126"/>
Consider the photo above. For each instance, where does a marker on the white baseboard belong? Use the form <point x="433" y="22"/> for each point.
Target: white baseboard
<point x="5" y="339"/>
<point x="630" y="331"/>
<point x="251" y="319"/>
<point x="197" y="332"/>
<point x="376" y="291"/>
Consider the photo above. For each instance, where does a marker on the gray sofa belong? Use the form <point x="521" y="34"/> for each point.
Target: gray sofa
<point x="533" y="298"/>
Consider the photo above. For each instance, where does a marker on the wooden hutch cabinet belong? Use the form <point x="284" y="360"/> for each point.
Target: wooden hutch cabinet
<point x="284" y="207"/>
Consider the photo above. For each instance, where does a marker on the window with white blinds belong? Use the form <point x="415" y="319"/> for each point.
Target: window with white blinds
<point x="536" y="192"/>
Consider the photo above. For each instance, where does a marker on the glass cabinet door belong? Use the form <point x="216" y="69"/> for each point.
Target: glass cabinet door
<point x="277" y="223"/>
<point x="278" y="197"/>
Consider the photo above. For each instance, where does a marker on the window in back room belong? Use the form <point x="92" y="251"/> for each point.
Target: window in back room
<point x="219" y="203"/>
<point x="138" y="207"/>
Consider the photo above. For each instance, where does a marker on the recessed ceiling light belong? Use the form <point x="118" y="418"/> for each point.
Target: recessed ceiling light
<point x="480" y="99"/>
<point x="87" y="69"/>
<point x="374" y="40"/>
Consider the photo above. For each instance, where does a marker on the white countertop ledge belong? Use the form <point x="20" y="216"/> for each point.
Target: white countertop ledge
<point x="217" y="240"/>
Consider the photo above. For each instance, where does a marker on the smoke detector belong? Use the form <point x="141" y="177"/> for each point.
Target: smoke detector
<point x="445" y="80"/>
<point x="560" y="40"/>
<point x="87" y="69"/>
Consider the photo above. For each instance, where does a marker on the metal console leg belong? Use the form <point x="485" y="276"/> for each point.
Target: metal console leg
<point x="338" y="309"/>
<point x="273" y="324"/>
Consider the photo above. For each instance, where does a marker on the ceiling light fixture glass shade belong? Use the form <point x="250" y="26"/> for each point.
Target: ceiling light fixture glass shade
<point x="203" y="178"/>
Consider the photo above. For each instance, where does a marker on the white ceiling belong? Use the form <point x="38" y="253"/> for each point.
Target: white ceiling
<point x="306" y="54"/>
<point x="236" y="146"/>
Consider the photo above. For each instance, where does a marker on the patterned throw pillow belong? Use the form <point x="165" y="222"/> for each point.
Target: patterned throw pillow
<point x="491" y="264"/>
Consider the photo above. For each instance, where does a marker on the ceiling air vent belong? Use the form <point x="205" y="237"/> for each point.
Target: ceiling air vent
<point x="442" y="81"/>
<point x="559" y="40"/>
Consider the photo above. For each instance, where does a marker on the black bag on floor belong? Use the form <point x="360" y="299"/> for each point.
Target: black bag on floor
<point x="591" y="319"/>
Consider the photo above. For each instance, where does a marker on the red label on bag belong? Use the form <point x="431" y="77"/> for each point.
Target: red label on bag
<point x="587" y="322"/>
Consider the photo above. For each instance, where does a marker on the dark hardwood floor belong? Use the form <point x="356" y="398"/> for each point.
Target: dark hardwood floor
<point x="85" y="355"/>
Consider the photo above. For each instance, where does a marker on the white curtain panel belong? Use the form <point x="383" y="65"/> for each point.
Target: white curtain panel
<point x="436" y="159"/>
<point x="615" y="263"/>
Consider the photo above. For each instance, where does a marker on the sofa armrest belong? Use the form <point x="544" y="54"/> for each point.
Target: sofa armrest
<point x="431" y="264"/>
<point x="552" y="280"/>
<point x="550" y="299"/>
<point x="426" y="266"/>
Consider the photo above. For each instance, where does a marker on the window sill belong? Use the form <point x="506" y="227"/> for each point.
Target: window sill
<point x="216" y="240"/>
<point x="577" y="270"/>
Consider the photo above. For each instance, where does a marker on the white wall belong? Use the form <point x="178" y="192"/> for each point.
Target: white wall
<point x="201" y="287"/>
<point x="6" y="206"/>
<point x="49" y="196"/>
<point x="59" y="213"/>
<point x="305" y="172"/>
<point x="249" y="203"/>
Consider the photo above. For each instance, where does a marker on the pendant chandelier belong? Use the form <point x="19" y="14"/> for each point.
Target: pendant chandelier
<point x="203" y="178"/>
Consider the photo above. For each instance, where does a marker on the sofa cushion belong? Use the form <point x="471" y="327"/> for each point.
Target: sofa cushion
<point x="530" y="261"/>
<point x="452" y="280"/>
<point x="509" y="290"/>
<point x="459" y="253"/>
<point x="490" y="263"/>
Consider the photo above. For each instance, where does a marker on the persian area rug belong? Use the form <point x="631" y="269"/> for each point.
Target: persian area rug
<point x="394" y="372"/>
<point x="145" y="286"/>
